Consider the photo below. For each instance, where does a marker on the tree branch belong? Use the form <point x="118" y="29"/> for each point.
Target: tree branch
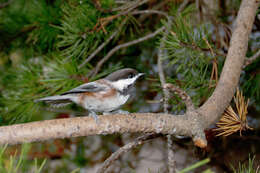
<point x="252" y="58"/>
<point x="213" y="108"/>
<point x="185" y="97"/>
<point x="166" y="94"/>
<point x="111" y="52"/>
<point x="130" y="43"/>
<point x="139" y="141"/>
<point x="108" y="124"/>
<point x="93" y="54"/>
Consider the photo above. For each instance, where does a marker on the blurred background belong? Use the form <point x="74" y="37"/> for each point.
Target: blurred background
<point x="47" y="47"/>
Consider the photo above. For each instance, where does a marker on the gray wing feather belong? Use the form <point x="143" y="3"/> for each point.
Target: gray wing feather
<point x="88" y="87"/>
<point x="56" y="101"/>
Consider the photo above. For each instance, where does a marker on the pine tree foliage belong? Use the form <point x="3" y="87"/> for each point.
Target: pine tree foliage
<point x="79" y="35"/>
<point x="189" y="54"/>
<point x="32" y="21"/>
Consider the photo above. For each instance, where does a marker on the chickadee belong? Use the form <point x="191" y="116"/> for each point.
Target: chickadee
<point x="103" y="95"/>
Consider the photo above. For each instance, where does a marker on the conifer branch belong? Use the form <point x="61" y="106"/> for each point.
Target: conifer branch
<point x="250" y="60"/>
<point x="130" y="43"/>
<point x="111" y="52"/>
<point x="103" y="44"/>
<point x="166" y="94"/>
<point x="85" y="126"/>
<point x="139" y="141"/>
<point x="183" y="95"/>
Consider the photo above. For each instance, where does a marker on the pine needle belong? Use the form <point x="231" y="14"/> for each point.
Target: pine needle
<point x="231" y="121"/>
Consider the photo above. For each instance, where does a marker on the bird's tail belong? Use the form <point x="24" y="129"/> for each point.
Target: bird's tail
<point x="56" y="101"/>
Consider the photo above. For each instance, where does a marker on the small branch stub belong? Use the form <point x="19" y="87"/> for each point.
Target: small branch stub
<point x="182" y="94"/>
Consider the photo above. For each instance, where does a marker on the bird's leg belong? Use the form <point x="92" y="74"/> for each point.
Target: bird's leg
<point x="120" y="111"/>
<point x="116" y="112"/>
<point x="94" y="115"/>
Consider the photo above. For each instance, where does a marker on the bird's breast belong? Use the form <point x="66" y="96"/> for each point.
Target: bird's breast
<point x="103" y="101"/>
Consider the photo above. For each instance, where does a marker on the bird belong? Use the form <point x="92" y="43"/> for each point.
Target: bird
<point x="104" y="95"/>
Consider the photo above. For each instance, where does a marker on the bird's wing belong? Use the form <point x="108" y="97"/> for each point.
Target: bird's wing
<point x="87" y="87"/>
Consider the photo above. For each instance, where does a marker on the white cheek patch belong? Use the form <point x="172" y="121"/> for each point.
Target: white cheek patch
<point x="124" y="83"/>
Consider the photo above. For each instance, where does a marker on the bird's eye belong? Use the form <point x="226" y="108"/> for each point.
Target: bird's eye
<point x="131" y="75"/>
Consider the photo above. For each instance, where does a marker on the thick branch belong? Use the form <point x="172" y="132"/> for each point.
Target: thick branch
<point x="221" y="97"/>
<point x="109" y="124"/>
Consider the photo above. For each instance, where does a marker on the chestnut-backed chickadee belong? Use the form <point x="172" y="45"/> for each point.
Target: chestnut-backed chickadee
<point x="103" y="95"/>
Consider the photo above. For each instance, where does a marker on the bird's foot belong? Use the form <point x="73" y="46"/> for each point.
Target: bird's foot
<point x="116" y="112"/>
<point x="94" y="115"/>
<point x="122" y="112"/>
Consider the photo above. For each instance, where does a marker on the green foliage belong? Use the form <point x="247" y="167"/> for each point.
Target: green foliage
<point x="35" y="79"/>
<point x="196" y="165"/>
<point x="250" y="82"/>
<point x="246" y="167"/>
<point x="21" y="163"/>
<point x="24" y="16"/>
<point x="189" y="55"/>
<point x="80" y="29"/>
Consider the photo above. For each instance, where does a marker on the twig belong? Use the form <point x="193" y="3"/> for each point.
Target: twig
<point x="171" y="159"/>
<point x="117" y="31"/>
<point x="127" y="6"/>
<point x="111" y="52"/>
<point x="155" y="7"/>
<point x="150" y="12"/>
<point x="103" y="44"/>
<point x="130" y="43"/>
<point x="135" y="5"/>
<point x="3" y="5"/>
<point x="98" y="6"/>
<point x="252" y="58"/>
<point x="139" y="141"/>
<point x="104" y="21"/>
<point x="166" y="94"/>
<point x="195" y="47"/>
<point x="214" y="72"/>
<point x="185" y="97"/>
<point x="183" y="5"/>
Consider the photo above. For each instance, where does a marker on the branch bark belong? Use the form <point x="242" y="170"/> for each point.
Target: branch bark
<point x="191" y="124"/>
<point x="108" y="124"/>
<point x="213" y="108"/>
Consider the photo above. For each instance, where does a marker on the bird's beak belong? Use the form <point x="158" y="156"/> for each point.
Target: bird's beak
<point x="140" y="74"/>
